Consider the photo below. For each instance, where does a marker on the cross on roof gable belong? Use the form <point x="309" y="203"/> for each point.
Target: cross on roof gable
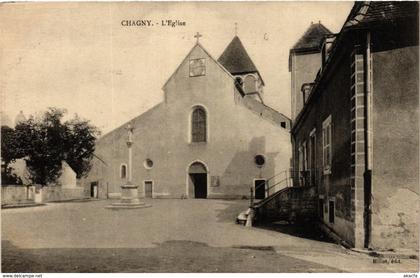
<point x="188" y="55"/>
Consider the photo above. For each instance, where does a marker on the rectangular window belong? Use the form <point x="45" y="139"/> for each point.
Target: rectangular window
<point x="321" y="208"/>
<point x="326" y="145"/>
<point x="300" y="161"/>
<point x="197" y="67"/>
<point x="305" y="157"/>
<point x="331" y="212"/>
<point x="305" y="164"/>
<point x="312" y="157"/>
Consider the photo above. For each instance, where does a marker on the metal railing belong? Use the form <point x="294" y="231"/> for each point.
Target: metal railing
<point x="288" y="178"/>
<point x="284" y="177"/>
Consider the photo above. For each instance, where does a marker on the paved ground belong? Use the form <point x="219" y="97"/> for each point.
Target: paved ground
<point x="171" y="236"/>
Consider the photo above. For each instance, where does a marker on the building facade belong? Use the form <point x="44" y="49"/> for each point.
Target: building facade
<point x="212" y="136"/>
<point x="355" y="138"/>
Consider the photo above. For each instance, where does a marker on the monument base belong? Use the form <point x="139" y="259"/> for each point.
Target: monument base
<point x="129" y="199"/>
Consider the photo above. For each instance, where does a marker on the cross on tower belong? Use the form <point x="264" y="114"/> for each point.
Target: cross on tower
<point x="197" y="36"/>
<point x="236" y="28"/>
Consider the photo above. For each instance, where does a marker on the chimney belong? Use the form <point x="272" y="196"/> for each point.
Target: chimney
<point x="326" y="47"/>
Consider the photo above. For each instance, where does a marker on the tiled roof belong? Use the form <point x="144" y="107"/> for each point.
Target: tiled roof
<point x="264" y="111"/>
<point x="235" y="58"/>
<point x="364" y="15"/>
<point x="381" y="11"/>
<point x="312" y="37"/>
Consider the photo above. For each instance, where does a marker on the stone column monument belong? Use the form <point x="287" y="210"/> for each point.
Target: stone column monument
<point x="129" y="191"/>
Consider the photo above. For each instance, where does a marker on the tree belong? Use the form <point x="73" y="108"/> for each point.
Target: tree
<point x="46" y="141"/>
<point x="9" y="152"/>
<point x="80" y="145"/>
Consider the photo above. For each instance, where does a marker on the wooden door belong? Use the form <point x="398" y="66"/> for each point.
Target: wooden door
<point x="259" y="189"/>
<point x="148" y="189"/>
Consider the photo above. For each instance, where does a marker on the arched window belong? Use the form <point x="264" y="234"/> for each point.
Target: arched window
<point x="123" y="171"/>
<point x="239" y="81"/>
<point x="250" y="84"/>
<point x="199" y="125"/>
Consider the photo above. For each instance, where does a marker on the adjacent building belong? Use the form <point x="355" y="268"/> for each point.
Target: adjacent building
<point x="355" y="131"/>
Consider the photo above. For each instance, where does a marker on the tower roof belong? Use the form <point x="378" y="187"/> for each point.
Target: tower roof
<point x="235" y="58"/>
<point x="312" y="38"/>
<point x="20" y="118"/>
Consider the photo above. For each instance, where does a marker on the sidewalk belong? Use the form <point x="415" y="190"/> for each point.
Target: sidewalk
<point x="21" y="205"/>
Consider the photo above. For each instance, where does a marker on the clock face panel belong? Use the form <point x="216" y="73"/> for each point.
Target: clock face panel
<point x="197" y="67"/>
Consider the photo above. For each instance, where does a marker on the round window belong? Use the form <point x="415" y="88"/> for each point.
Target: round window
<point x="259" y="160"/>
<point x="148" y="164"/>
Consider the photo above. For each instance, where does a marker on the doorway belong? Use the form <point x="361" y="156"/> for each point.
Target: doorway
<point x="148" y="189"/>
<point x="94" y="189"/>
<point x="259" y="189"/>
<point x="197" y="174"/>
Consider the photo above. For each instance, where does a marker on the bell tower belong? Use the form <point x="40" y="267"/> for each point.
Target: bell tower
<point x="237" y="61"/>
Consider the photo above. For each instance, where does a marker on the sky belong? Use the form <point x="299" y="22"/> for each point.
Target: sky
<point x="78" y="56"/>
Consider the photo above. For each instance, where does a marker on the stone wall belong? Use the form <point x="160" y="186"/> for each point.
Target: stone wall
<point x="58" y="193"/>
<point x="395" y="179"/>
<point x="334" y="185"/>
<point x="14" y="194"/>
<point x="291" y="204"/>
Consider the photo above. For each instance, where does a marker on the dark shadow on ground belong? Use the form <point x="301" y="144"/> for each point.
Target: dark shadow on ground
<point x="231" y="211"/>
<point x="170" y="256"/>
<point x="302" y="230"/>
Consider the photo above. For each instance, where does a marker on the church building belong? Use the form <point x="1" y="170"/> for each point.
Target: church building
<point x="212" y="136"/>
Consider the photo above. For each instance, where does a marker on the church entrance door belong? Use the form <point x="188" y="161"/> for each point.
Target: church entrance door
<point x="200" y="185"/>
<point x="197" y="180"/>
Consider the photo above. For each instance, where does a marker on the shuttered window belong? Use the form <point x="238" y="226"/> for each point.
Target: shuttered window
<point x="326" y="145"/>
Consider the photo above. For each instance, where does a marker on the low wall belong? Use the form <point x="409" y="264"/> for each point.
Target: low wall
<point x="58" y="193"/>
<point x="14" y="194"/>
<point x="291" y="204"/>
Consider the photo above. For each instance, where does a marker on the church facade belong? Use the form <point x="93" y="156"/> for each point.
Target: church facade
<point x="212" y="136"/>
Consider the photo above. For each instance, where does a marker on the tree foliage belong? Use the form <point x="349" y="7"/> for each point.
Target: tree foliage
<point x="80" y="145"/>
<point x="46" y="141"/>
<point x="9" y="152"/>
